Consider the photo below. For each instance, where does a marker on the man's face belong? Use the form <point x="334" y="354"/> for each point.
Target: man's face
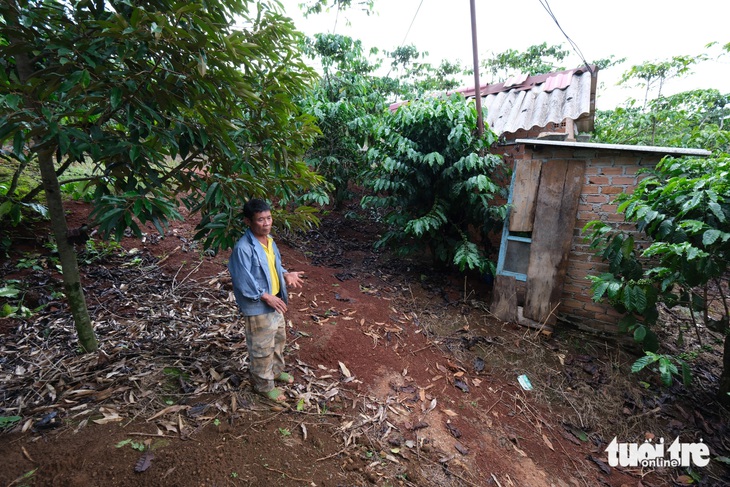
<point x="260" y="224"/>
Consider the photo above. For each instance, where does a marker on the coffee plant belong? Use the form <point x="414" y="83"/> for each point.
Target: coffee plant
<point x="682" y="209"/>
<point x="434" y="180"/>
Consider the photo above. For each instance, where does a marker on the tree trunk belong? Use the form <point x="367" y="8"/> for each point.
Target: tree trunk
<point x="724" y="389"/>
<point x="67" y="254"/>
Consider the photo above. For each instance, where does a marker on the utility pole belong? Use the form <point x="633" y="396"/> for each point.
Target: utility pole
<point x="477" y="86"/>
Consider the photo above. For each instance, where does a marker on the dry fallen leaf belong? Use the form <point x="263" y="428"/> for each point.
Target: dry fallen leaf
<point x="345" y="371"/>
<point x="455" y="432"/>
<point x="461" y="448"/>
<point x="547" y="442"/>
<point x="110" y="416"/>
<point x="144" y="462"/>
<point x="167" y="410"/>
<point x="684" y="480"/>
<point x="431" y="406"/>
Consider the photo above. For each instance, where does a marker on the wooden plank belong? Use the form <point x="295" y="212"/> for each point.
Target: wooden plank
<point x="546" y="330"/>
<point x="524" y="195"/>
<point x="504" y="299"/>
<point x="557" y="204"/>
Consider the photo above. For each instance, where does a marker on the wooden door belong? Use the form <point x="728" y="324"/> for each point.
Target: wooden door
<point x="552" y="235"/>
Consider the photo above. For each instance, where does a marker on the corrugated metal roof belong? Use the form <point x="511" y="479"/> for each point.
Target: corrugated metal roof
<point x="524" y="102"/>
<point x="540" y="100"/>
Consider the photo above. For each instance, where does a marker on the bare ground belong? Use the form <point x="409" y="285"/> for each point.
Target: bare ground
<point x="402" y="378"/>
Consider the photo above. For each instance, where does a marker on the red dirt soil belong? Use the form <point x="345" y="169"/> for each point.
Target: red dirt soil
<point x="358" y="314"/>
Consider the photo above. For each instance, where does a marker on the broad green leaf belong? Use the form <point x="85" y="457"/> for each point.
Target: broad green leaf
<point x="717" y="211"/>
<point x="710" y="237"/>
<point x="640" y="333"/>
<point x="116" y="97"/>
<point x="643" y="362"/>
<point x="12" y="101"/>
<point x="599" y="290"/>
<point x="9" y="292"/>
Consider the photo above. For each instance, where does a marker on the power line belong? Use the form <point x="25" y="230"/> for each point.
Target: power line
<point x="575" y="47"/>
<point x="407" y="32"/>
<point x="412" y="21"/>
<point x="337" y="17"/>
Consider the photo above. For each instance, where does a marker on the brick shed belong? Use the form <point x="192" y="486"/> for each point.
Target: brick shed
<point x="561" y="181"/>
<point x="558" y="186"/>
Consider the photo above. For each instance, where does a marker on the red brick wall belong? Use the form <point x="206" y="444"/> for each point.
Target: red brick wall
<point x="608" y="173"/>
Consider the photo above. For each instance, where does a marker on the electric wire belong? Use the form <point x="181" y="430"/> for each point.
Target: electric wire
<point x="337" y="17"/>
<point x="575" y="47"/>
<point x="413" y="20"/>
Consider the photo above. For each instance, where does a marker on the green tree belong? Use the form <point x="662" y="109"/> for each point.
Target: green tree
<point x="412" y="79"/>
<point x="434" y="179"/>
<point x="164" y="98"/>
<point x="652" y="75"/>
<point x="319" y="6"/>
<point x="696" y="119"/>
<point x="350" y="100"/>
<point x="691" y="119"/>
<point x="537" y="59"/>
<point x="345" y="103"/>
<point x="683" y="209"/>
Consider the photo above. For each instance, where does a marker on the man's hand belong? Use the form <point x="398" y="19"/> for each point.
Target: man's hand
<point x="293" y="279"/>
<point x="275" y="302"/>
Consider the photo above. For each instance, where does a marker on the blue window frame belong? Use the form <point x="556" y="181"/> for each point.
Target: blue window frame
<point x="514" y="249"/>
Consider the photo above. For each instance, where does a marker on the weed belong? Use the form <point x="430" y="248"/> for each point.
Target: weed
<point x="217" y="422"/>
<point x="30" y="261"/>
<point x="284" y="432"/>
<point x="136" y="262"/>
<point x="134" y="444"/>
<point x="79" y="190"/>
<point x="176" y="373"/>
<point x="95" y="251"/>
<point x="171" y="385"/>
<point x="11" y="291"/>
<point x="234" y="475"/>
<point x="690" y="355"/>
<point x="26" y="476"/>
<point x="8" y="421"/>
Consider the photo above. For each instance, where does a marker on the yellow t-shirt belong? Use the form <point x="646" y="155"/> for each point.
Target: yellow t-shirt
<point x="271" y="259"/>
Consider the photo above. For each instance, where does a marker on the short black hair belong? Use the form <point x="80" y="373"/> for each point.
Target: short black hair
<point x="253" y="206"/>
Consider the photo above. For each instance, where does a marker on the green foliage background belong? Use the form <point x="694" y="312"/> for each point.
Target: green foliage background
<point x="432" y="175"/>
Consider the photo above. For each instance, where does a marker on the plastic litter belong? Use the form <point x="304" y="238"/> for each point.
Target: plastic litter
<point x="525" y="382"/>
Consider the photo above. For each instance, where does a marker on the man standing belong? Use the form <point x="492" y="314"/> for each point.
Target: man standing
<point x="259" y="284"/>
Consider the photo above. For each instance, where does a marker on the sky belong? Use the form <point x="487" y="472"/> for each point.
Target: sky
<point x="639" y="30"/>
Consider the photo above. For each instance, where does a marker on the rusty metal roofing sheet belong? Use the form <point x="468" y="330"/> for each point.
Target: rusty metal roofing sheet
<point x="553" y="99"/>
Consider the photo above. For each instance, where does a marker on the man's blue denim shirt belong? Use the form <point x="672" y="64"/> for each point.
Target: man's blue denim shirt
<point x="250" y="275"/>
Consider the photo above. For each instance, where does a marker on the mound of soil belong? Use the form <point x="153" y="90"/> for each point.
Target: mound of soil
<point x="402" y="377"/>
